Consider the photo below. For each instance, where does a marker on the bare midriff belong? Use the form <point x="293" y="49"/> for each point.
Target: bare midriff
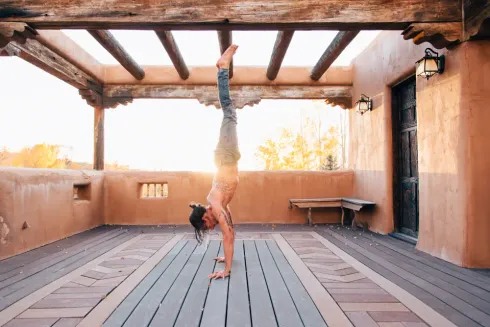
<point x="225" y="183"/>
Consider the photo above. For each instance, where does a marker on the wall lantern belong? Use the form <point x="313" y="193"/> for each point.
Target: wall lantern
<point x="430" y="65"/>
<point x="364" y="104"/>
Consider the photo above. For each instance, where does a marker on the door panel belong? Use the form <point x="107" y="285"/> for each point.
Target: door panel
<point x="406" y="157"/>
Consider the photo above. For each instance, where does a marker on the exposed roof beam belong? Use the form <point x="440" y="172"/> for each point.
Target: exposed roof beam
<point x="439" y="35"/>
<point x="109" y="42"/>
<point x="225" y="40"/>
<point x="18" y="32"/>
<point x="173" y="51"/>
<point x="242" y="95"/>
<point x="161" y="75"/>
<point x="339" y="43"/>
<point x="243" y="14"/>
<point x="39" y="55"/>
<point x="64" y="46"/>
<point x="476" y="19"/>
<point x="283" y="40"/>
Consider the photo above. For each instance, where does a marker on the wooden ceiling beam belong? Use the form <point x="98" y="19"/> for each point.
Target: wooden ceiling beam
<point x="39" y="55"/>
<point x="225" y="40"/>
<point x="281" y="46"/>
<point x="109" y="42"/>
<point x="476" y="19"/>
<point x="441" y="35"/>
<point x="173" y="51"/>
<point x="243" y="14"/>
<point x="162" y="75"/>
<point x="64" y="46"/>
<point x="339" y="43"/>
<point x="18" y="32"/>
<point x="242" y="95"/>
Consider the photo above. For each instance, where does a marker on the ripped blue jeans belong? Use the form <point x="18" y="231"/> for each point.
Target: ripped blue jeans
<point x="227" y="152"/>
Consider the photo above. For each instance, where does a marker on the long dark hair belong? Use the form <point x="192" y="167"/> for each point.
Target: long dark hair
<point x="196" y="221"/>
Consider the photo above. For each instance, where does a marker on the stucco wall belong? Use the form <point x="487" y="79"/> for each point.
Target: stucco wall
<point x="387" y="60"/>
<point x="475" y="96"/>
<point x="261" y="197"/>
<point x="44" y="199"/>
<point x="453" y="151"/>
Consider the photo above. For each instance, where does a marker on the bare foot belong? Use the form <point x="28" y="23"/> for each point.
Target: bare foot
<point x="225" y="60"/>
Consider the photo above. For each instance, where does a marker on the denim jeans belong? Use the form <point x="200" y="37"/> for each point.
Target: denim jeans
<point x="226" y="152"/>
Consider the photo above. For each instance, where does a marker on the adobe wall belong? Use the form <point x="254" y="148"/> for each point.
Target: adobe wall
<point x="44" y="199"/>
<point x="475" y="96"/>
<point x="453" y="151"/>
<point x="261" y="197"/>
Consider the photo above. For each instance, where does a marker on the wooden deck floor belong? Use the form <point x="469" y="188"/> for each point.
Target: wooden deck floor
<point x="462" y="295"/>
<point x="282" y="276"/>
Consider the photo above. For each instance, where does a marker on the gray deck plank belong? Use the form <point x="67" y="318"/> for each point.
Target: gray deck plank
<point x="22" y="288"/>
<point x="484" y="272"/>
<point x="304" y="304"/>
<point x="50" y="249"/>
<point x="214" y="313"/>
<point x="398" y="277"/>
<point x="286" y="313"/>
<point x="261" y="306"/>
<point x="472" y="294"/>
<point x="36" y="266"/>
<point x="170" y="306"/>
<point x="238" y="312"/>
<point x="146" y="309"/>
<point x="475" y="308"/>
<point x="191" y="312"/>
<point x="124" y="310"/>
<point x="409" y="250"/>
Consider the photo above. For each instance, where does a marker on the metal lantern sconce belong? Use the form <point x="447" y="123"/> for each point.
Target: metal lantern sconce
<point x="431" y="64"/>
<point x="364" y="104"/>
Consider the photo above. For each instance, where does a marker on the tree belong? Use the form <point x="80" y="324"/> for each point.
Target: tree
<point x="39" y="156"/>
<point x="330" y="163"/>
<point x="4" y="154"/>
<point x="115" y="166"/>
<point x="306" y="149"/>
<point x="343" y="136"/>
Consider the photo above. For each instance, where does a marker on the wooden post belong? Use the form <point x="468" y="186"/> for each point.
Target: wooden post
<point x="98" y="138"/>
<point x="225" y="40"/>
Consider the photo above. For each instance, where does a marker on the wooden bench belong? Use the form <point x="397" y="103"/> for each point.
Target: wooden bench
<point x="343" y="203"/>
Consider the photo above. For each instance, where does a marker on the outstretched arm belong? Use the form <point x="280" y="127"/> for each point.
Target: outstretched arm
<point x="227" y="229"/>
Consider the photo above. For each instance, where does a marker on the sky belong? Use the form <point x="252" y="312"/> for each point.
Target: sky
<point x="159" y="134"/>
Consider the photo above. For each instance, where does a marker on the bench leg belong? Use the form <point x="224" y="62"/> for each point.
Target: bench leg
<point x="308" y="217"/>
<point x="354" y="225"/>
<point x="343" y="214"/>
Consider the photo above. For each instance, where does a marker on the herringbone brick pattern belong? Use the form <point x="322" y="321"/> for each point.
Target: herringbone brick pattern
<point x="364" y="302"/>
<point x="68" y="305"/>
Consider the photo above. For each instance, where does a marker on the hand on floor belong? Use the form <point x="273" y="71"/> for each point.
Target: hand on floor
<point x="219" y="274"/>
<point x="220" y="259"/>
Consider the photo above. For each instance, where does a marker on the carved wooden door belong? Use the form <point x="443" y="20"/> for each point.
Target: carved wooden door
<point x="406" y="157"/>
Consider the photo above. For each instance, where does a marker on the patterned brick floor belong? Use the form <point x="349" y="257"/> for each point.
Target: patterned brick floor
<point x="365" y="303"/>
<point x="67" y="306"/>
